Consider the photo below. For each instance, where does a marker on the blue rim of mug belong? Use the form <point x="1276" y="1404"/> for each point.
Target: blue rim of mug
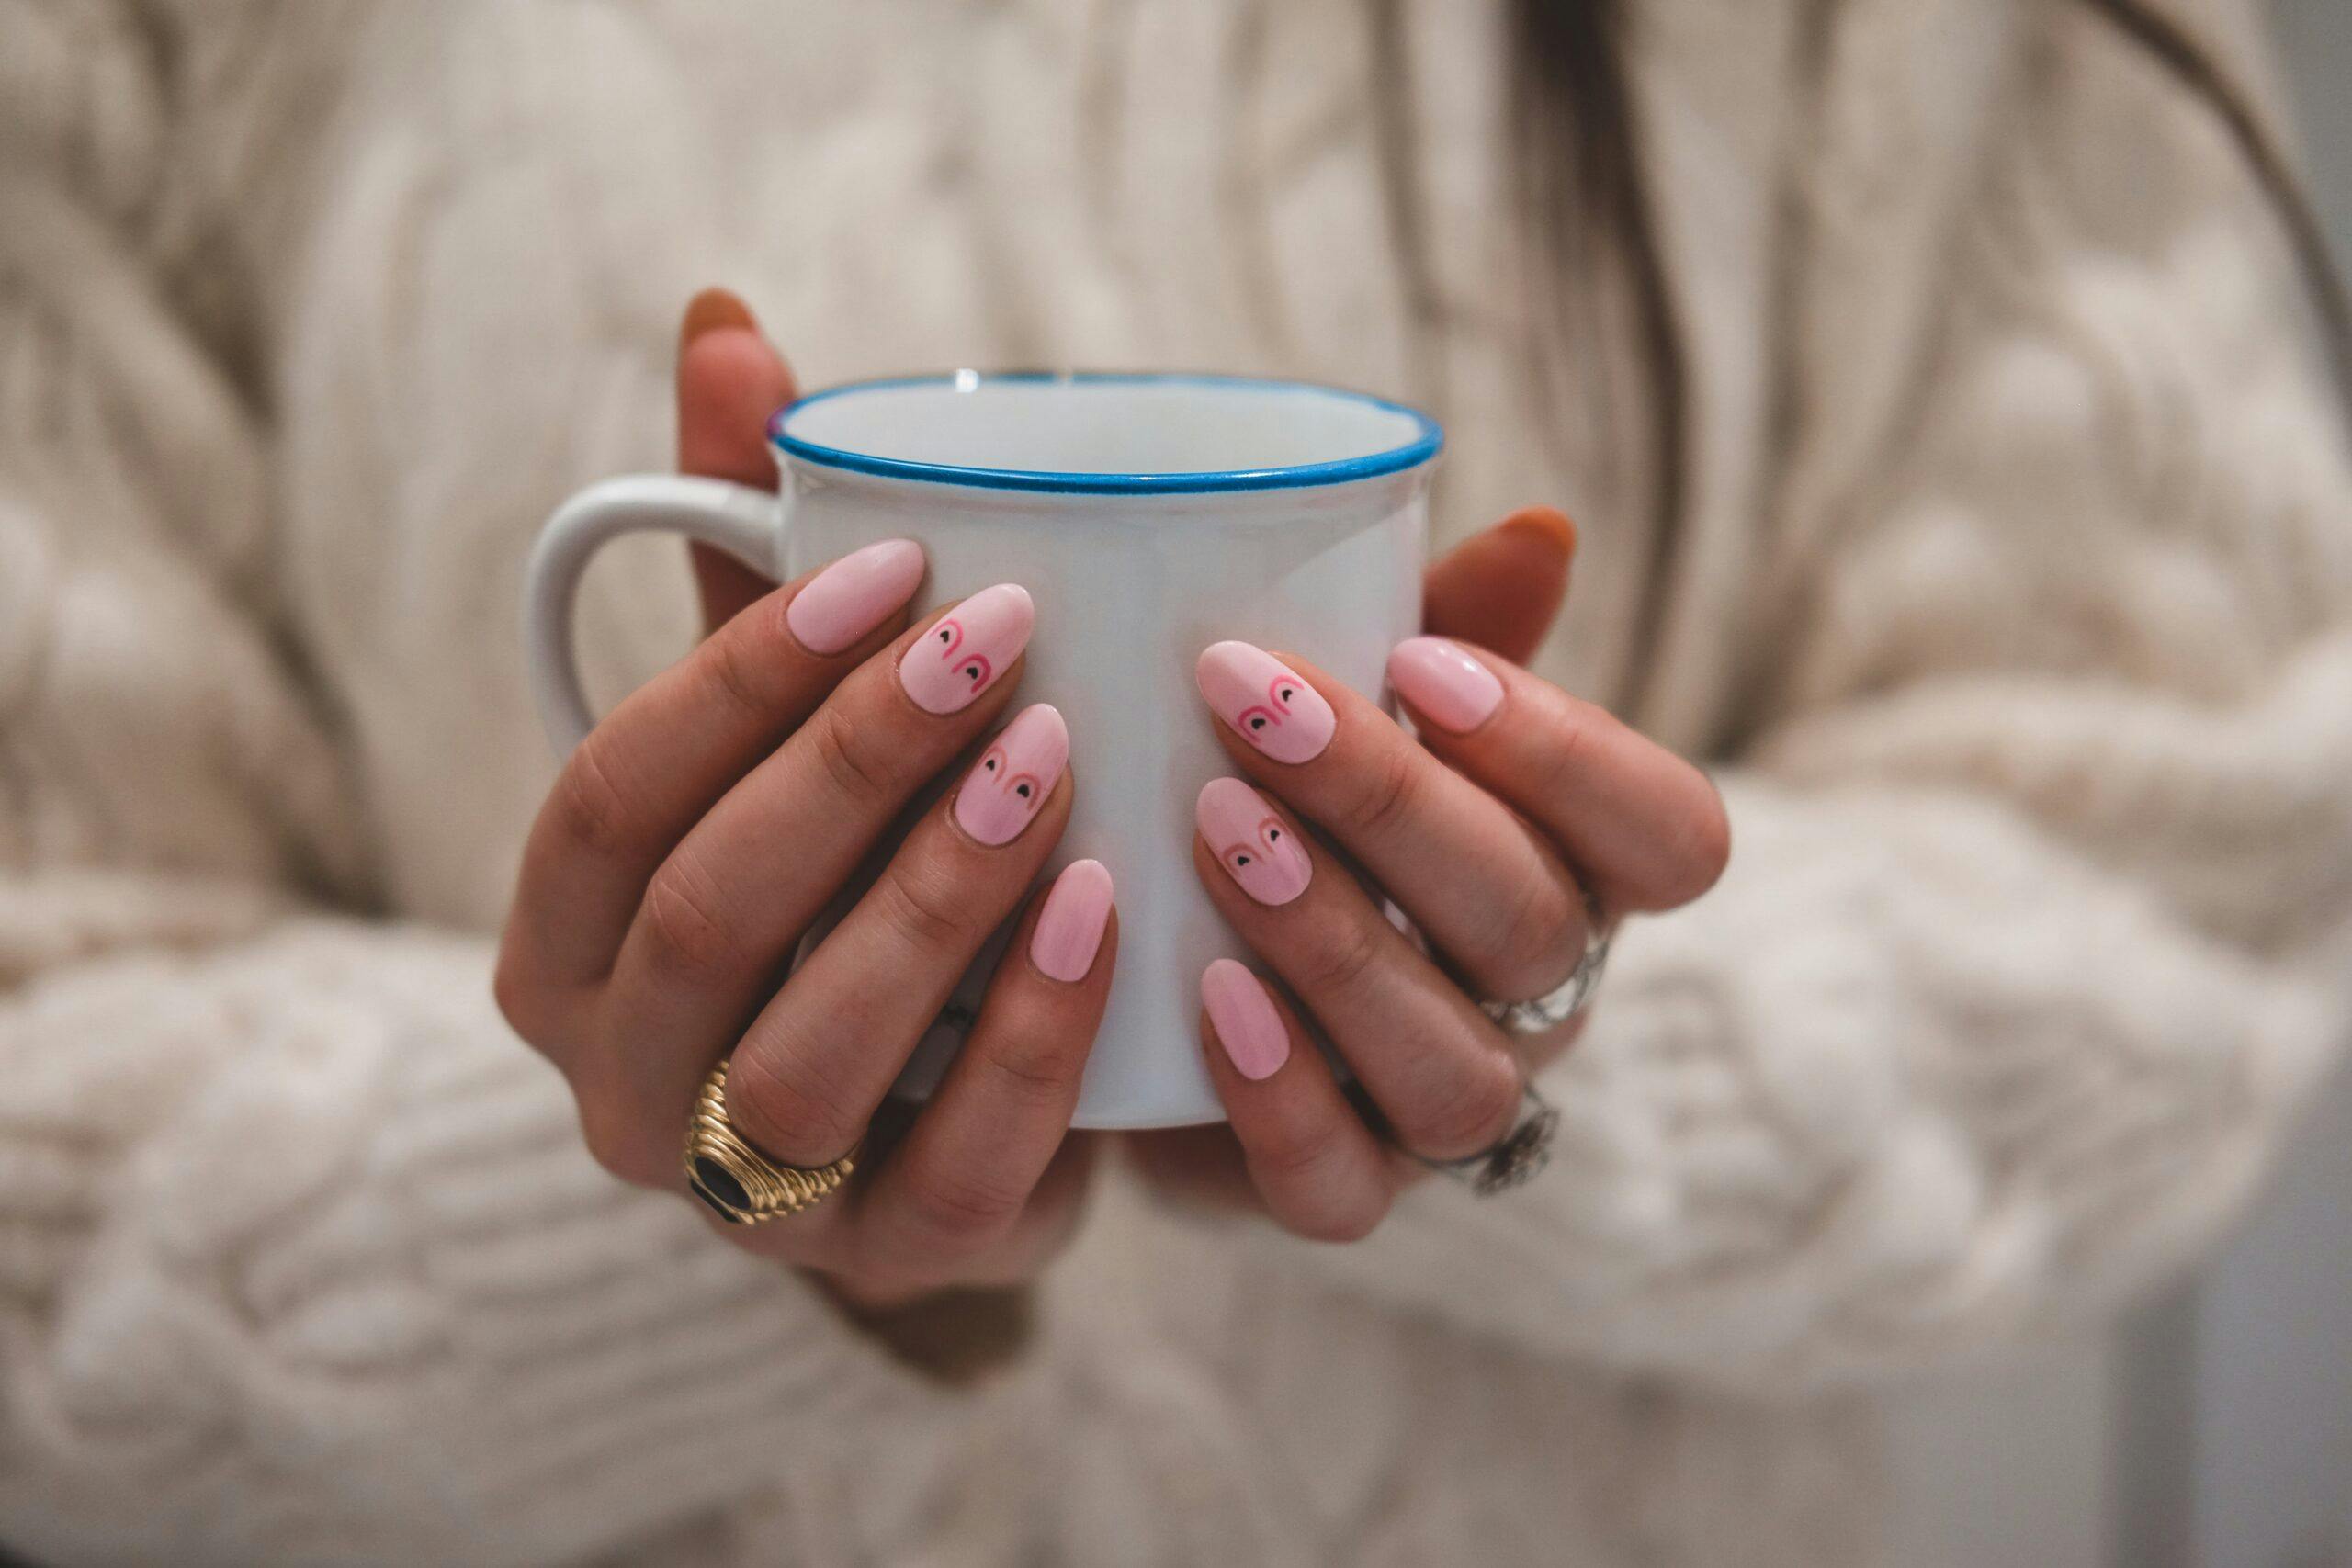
<point x="1427" y="442"/>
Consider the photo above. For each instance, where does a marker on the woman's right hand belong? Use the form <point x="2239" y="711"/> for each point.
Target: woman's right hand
<point x="702" y="828"/>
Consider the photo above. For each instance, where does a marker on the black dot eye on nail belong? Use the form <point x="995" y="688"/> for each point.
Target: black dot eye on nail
<point x="1020" y="790"/>
<point x="1257" y="724"/>
<point x="1240" y="860"/>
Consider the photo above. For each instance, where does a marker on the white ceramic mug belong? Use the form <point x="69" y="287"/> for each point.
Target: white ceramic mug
<point x="1148" y="516"/>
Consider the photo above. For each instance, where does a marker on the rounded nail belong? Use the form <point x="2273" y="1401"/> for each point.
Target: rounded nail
<point x="712" y="309"/>
<point x="853" y="595"/>
<point x="1001" y="794"/>
<point x="1444" y="682"/>
<point x="1265" y="702"/>
<point x="966" y="649"/>
<point x="1247" y="1023"/>
<point x="1255" y="846"/>
<point x="1071" y="926"/>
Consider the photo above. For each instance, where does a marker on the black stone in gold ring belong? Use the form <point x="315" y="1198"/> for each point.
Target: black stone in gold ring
<point x="741" y="1185"/>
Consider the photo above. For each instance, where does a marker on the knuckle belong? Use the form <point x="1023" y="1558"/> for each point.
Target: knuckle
<point x="1344" y="957"/>
<point x="854" y="765"/>
<point x="736" y="673"/>
<point x="1560" y="755"/>
<point x="687" y="936"/>
<point x="611" y="1141"/>
<point x="1387" y="794"/>
<point x="1705" y="849"/>
<point x="1536" y="939"/>
<point x="593" y="807"/>
<point x="927" y="910"/>
<point x="1295" y="1144"/>
<point x="787" y="1108"/>
<point x="520" y="999"/>
<point x="1036" y="1069"/>
<point x="1469" y="1111"/>
<point x="955" y="1209"/>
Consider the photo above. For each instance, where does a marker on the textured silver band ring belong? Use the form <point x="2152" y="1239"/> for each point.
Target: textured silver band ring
<point x="1540" y="1015"/>
<point x="1527" y="1147"/>
<point x="1515" y="1159"/>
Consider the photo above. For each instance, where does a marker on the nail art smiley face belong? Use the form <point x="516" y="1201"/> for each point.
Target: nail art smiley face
<point x="1255" y="847"/>
<point x="1021" y="788"/>
<point x="971" y="666"/>
<point x="965" y="651"/>
<point x="1270" y="848"/>
<point x="1009" y="783"/>
<point x="1265" y="702"/>
<point x="1259" y="717"/>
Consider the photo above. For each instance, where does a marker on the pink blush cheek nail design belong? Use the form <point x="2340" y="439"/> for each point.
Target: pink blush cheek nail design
<point x="965" y="651"/>
<point x="1245" y="1019"/>
<point x="1007" y="786"/>
<point x="1264" y="702"/>
<point x="1255" y="847"/>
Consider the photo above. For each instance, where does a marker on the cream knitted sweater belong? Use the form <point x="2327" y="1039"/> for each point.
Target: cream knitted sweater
<point x="2015" y="609"/>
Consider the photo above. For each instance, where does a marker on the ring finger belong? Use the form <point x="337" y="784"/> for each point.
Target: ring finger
<point x="966" y="1173"/>
<point x="810" y="1070"/>
<point x="1437" y="1067"/>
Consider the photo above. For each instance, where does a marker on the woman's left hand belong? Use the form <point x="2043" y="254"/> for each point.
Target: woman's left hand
<point x="1517" y="809"/>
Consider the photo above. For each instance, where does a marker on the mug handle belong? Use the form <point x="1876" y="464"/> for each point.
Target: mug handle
<point x="734" y="518"/>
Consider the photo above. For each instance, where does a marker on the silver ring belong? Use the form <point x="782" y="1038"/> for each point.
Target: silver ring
<point x="1540" y="1015"/>
<point x="1516" y="1157"/>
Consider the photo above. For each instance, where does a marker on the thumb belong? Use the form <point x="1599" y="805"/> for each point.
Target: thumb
<point x="1500" y="589"/>
<point x="729" y="381"/>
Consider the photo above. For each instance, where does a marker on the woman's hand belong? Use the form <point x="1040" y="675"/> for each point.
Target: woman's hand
<point x="707" y="823"/>
<point x="1517" y="809"/>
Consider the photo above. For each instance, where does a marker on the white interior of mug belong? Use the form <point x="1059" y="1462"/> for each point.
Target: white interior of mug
<point x="1106" y="431"/>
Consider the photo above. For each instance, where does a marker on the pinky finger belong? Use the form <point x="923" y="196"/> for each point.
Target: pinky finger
<point x="1317" y="1167"/>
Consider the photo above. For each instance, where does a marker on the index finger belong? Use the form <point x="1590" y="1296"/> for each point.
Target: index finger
<point x="1645" y="828"/>
<point x="661" y="760"/>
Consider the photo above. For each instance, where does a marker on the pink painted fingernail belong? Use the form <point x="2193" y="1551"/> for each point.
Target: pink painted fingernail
<point x="1244" y="1017"/>
<point x="967" y="648"/>
<point x="1069" y="927"/>
<point x="1252" y="844"/>
<point x="1014" y="776"/>
<point x="1265" y="702"/>
<point x="1444" y="683"/>
<point x="851" y="597"/>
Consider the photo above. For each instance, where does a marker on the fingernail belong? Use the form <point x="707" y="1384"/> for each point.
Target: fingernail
<point x="1265" y="702"/>
<point x="1444" y="683"/>
<point x="712" y="309"/>
<point x="966" y="649"/>
<point x="1014" y="776"/>
<point x="1069" y="927"/>
<point x="1549" y="523"/>
<point x="1252" y="844"/>
<point x="1244" y="1017"/>
<point x="854" y="595"/>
